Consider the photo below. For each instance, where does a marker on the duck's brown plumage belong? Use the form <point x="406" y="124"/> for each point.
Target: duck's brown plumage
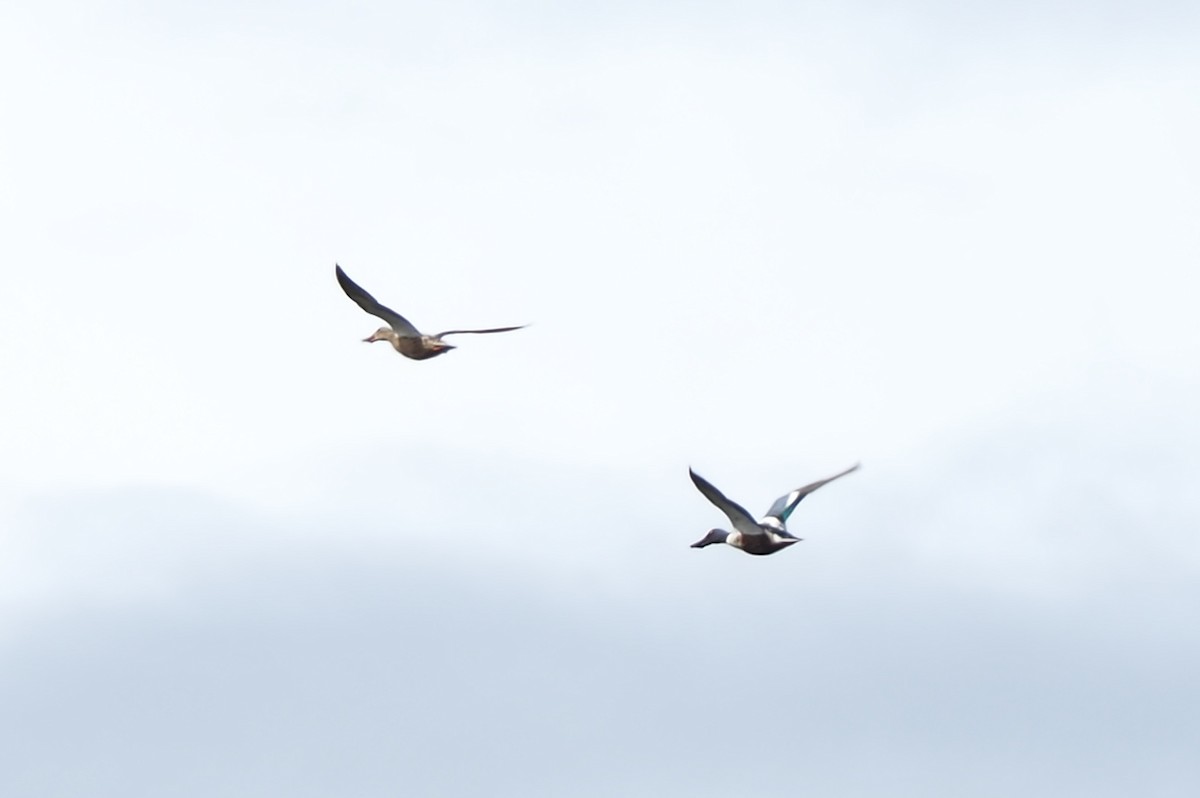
<point x="400" y="332"/>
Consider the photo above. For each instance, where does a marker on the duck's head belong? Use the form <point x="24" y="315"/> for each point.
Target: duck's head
<point x="382" y="334"/>
<point x="713" y="536"/>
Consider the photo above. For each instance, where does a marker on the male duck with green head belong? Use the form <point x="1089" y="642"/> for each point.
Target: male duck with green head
<point x="765" y="536"/>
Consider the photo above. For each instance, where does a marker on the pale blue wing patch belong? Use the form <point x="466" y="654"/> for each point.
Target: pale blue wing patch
<point x="784" y="505"/>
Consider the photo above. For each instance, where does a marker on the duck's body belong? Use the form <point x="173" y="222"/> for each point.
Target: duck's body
<point x="400" y="332"/>
<point x="418" y="347"/>
<point x="767" y="543"/>
<point x="764" y="536"/>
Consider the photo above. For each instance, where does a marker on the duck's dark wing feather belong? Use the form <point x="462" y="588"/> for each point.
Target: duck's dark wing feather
<point x="368" y="303"/>
<point x="741" y="520"/>
<point x="784" y="505"/>
<point x="489" y="330"/>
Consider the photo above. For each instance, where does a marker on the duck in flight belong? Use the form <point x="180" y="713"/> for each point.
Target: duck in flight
<point x="400" y="333"/>
<point x="765" y="536"/>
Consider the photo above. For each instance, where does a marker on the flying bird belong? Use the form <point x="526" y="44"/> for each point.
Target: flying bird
<point x="400" y="333"/>
<point x="765" y="536"/>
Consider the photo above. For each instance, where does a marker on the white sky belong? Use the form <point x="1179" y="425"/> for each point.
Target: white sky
<point x="767" y="240"/>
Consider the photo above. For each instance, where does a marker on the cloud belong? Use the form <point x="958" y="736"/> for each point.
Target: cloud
<point x="242" y="553"/>
<point x="1010" y="626"/>
<point x="304" y="676"/>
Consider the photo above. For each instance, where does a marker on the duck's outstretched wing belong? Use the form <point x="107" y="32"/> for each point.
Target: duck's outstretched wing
<point x="368" y="303"/>
<point x="742" y="521"/>
<point x="478" y="332"/>
<point x="784" y="505"/>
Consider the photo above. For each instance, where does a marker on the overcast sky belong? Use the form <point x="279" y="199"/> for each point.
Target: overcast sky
<point x="243" y="553"/>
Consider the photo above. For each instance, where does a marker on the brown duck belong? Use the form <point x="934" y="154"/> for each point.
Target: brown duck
<point x="400" y="333"/>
